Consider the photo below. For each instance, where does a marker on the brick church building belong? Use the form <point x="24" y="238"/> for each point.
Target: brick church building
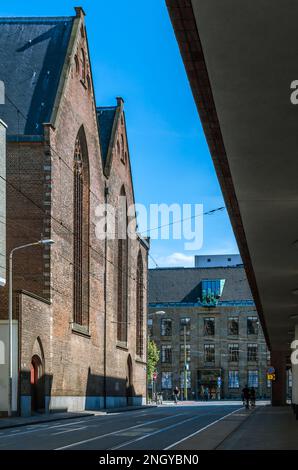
<point x="79" y="305"/>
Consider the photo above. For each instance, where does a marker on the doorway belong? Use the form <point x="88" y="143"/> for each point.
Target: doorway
<point x="129" y="382"/>
<point x="37" y="385"/>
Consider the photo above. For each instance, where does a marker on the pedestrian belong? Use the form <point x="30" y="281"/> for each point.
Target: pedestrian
<point x="176" y="393"/>
<point x="252" y="397"/>
<point x="246" y="396"/>
<point x="206" y="393"/>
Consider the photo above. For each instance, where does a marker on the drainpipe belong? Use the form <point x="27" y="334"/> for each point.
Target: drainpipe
<point x="105" y="305"/>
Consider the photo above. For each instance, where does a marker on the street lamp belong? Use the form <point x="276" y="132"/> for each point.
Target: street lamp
<point x="185" y="364"/>
<point x="150" y="314"/>
<point x="10" y="292"/>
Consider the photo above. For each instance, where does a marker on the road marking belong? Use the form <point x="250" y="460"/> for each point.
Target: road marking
<point x="116" y="432"/>
<point x="202" y="429"/>
<point x="18" y="432"/>
<point x="68" y="430"/>
<point x="153" y="433"/>
<point x="30" y="428"/>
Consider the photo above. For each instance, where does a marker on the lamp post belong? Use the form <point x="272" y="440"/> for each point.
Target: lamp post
<point x="150" y="314"/>
<point x="185" y="365"/>
<point x="10" y="301"/>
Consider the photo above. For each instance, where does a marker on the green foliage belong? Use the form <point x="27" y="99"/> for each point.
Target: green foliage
<point x="152" y="359"/>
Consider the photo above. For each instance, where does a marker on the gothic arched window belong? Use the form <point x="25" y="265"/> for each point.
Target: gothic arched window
<point x="81" y="232"/>
<point x="83" y="65"/>
<point x="122" y="268"/>
<point x="140" y="306"/>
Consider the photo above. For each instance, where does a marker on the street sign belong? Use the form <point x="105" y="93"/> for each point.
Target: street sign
<point x="271" y="377"/>
<point x="271" y="370"/>
<point x="218" y="381"/>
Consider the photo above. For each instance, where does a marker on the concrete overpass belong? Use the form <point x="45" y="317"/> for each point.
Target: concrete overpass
<point x="241" y="58"/>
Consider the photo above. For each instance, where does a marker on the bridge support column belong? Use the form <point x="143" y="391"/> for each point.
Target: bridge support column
<point x="279" y="386"/>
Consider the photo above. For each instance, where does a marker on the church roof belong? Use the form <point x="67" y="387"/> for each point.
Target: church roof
<point x="32" y="54"/>
<point x="105" y="117"/>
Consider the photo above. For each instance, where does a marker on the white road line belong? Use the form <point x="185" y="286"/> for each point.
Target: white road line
<point x="14" y="433"/>
<point x="68" y="430"/>
<point x="30" y="428"/>
<point x="153" y="433"/>
<point x="117" y="432"/>
<point x="202" y="429"/>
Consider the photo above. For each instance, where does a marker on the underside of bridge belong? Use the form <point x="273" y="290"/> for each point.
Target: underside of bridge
<point x="241" y="59"/>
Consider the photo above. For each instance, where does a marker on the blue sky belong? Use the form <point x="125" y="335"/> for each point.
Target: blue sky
<point x="134" y="54"/>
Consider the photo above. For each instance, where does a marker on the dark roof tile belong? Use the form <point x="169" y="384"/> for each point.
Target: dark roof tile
<point x="32" y="54"/>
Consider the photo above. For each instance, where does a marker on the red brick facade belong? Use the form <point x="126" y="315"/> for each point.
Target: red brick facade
<point x="81" y="366"/>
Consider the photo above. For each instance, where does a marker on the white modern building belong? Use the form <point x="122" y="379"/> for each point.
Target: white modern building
<point x="217" y="261"/>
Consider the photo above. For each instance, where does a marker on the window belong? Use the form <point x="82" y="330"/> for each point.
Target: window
<point x="229" y="259"/>
<point x="233" y="352"/>
<point x="166" y="380"/>
<point x="121" y="266"/>
<point x="253" y="378"/>
<point x="140" y="306"/>
<point x="252" y="352"/>
<point x="233" y="326"/>
<point x="188" y="379"/>
<point x="185" y="326"/>
<point x="182" y="356"/>
<point x="209" y="326"/>
<point x="150" y="326"/>
<point x="81" y="232"/>
<point x="233" y="379"/>
<point x="252" y="325"/>
<point x="122" y="149"/>
<point x="118" y="148"/>
<point x="209" y="352"/>
<point x="211" y="291"/>
<point x="88" y="83"/>
<point x="268" y="357"/>
<point x="166" y="353"/>
<point x="83" y="66"/>
<point x="166" y="327"/>
<point x="77" y="65"/>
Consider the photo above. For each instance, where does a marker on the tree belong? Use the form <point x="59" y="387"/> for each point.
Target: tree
<point x="152" y="359"/>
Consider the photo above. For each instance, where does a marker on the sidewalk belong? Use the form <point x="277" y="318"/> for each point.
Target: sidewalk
<point x="49" y="417"/>
<point x="265" y="428"/>
<point x="269" y="428"/>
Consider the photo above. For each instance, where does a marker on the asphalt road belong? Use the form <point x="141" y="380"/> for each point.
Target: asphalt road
<point x="150" y="429"/>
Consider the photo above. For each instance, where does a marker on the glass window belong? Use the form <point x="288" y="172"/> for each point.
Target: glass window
<point x="234" y="379"/>
<point x="253" y="378"/>
<point x="209" y="326"/>
<point x="252" y="325"/>
<point x="166" y="327"/>
<point x="233" y="352"/>
<point x="268" y="357"/>
<point x="182" y="357"/>
<point x="233" y="326"/>
<point x="185" y="326"/>
<point x="252" y="352"/>
<point x="166" y="380"/>
<point x="188" y="379"/>
<point x="209" y="352"/>
<point x="150" y="327"/>
<point x="211" y="290"/>
<point x="166" y="353"/>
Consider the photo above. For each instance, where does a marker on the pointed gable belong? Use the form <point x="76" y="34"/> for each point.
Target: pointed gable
<point x="32" y="54"/>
